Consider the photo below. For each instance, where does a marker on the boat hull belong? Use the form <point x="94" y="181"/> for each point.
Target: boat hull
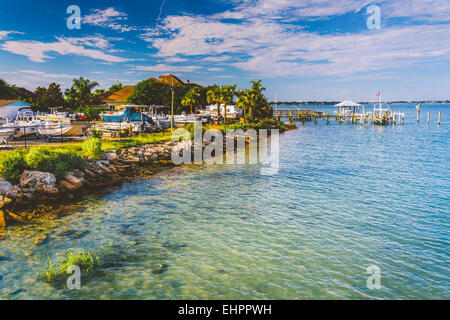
<point x="70" y="130"/>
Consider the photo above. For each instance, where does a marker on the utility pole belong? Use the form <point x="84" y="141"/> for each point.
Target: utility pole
<point x="171" y="111"/>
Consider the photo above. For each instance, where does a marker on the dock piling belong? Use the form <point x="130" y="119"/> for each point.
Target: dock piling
<point x="439" y="118"/>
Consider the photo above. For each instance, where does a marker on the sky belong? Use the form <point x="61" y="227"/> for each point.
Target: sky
<point x="301" y="49"/>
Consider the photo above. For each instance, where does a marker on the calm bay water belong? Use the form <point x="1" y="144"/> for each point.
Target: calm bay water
<point x="346" y="197"/>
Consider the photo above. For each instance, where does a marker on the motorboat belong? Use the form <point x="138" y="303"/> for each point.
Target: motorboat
<point x="52" y="129"/>
<point x="232" y="112"/>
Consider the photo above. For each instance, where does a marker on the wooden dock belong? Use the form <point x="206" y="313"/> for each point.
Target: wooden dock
<point x="363" y="118"/>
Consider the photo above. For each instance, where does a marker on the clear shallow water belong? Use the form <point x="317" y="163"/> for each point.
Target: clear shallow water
<point x="346" y="197"/>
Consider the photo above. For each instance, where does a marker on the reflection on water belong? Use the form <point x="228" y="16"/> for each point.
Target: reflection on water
<point x="346" y="197"/>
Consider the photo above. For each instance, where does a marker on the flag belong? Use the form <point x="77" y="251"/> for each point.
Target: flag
<point x="378" y="94"/>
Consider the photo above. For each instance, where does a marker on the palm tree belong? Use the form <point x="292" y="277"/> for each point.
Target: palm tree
<point x="80" y="94"/>
<point x="226" y="96"/>
<point x="254" y="101"/>
<point x="192" y="98"/>
<point x="213" y="96"/>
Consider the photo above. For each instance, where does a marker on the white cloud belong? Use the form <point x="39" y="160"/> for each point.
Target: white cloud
<point x="168" y="68"/>
<point x="5" y="34"/>
<point x="427" y="10"/>
<point x="46" y="75"/>
<point x="38" y="51"/>
<point x="216" y="69"/>
<point x="108" y="18"/>
<point x="269" y="47"/>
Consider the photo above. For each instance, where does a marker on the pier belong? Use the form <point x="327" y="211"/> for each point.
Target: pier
<point x="384" y="118"/>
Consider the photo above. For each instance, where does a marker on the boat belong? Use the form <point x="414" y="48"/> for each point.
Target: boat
<point x="54" y="116"/>
<point x="184" y="119"/>
<point x="6" y="133"/>
<point x="211" y="110"/>
<point x="50" y="129"/>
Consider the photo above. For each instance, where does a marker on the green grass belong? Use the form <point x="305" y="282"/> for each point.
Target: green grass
<point x="85" y="260"/>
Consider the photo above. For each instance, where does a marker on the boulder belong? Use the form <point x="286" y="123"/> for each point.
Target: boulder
<point x="5" y="187"/>
<point x="44" y="182"/>
<point x="110" y="155"/>
<point x="76" y="182"/>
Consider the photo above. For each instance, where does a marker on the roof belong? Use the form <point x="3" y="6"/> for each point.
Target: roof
<point x="169" y="80"/>
<point x="8" y="102"/>
<point x="348" y="103"/>
<point x="121" y="95"/>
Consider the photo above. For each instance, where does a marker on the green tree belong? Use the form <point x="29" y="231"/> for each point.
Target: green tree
<point x="150" y="92"/>
<point x="213" y="96"/>
<point x="6" y="91"/>
<point x="227" y="94"/>
<point x="115" y="87"/>
<point x="47" y="98"/>
<point x="254" y="102"/>
<point x="191" y="99"/>
<point x="80" y="94"/>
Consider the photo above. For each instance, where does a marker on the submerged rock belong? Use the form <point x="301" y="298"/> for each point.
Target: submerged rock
<point x="40" y="181"/>
<point x="41" y="240"/>
<point x="162" y="268"/>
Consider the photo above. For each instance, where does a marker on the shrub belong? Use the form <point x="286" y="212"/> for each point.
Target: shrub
<point x="92" y="148"/>
<point x="96" y="134"/>
<point x="12" y="165"/>
<point x="58" y="162"/>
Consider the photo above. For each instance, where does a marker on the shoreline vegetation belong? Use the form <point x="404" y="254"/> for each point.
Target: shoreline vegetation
<point x="36" y="181"/>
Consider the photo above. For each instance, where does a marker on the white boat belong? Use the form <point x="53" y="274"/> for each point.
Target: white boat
<point x="211" y="110"/>
<point x="60" y="129"/>
<point x="6" y="132"/>
<point x="184" y="119"/>
<point x="54" y="116"/>
<point x="161" y="121"/>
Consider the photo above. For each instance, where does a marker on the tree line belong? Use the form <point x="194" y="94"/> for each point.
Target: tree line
<point x="83" y="96"/>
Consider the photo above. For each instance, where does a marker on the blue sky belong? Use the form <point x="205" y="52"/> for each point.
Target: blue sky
<point x="301" y="49"/>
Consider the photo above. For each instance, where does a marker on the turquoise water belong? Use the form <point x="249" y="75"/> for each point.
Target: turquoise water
<point x="346" y="197"/>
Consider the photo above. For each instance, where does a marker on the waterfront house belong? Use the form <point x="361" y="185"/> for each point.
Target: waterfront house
<point x="10" y="108"/>
<point x="118" y="98"/>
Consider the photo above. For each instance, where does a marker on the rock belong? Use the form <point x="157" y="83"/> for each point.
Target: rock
<point x="16" y="292"/>
<point x="40" y="181"/>
<point x="80" y="234"/>
<point x="2" y="219"/>
<point x="110" y="155"/>
<point x="70" y="182"/>
<point x="66" y="233"/>
<point x="162" y="268"/>
<point x="40" y="240"/>
<point x="14" y="193"/>
<point x="5" y="187"/>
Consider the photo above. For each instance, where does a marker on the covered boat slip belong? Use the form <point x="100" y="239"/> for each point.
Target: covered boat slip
<point x="129" y="114"/>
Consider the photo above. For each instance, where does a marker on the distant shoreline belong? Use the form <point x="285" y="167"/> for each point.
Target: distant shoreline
<point x="332" y="103"/>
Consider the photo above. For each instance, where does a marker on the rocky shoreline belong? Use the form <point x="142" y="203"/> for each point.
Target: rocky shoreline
<point x="35" y="193"/>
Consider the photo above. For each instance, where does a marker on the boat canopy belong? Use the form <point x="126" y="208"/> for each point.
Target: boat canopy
<point x="129" y="115"/>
